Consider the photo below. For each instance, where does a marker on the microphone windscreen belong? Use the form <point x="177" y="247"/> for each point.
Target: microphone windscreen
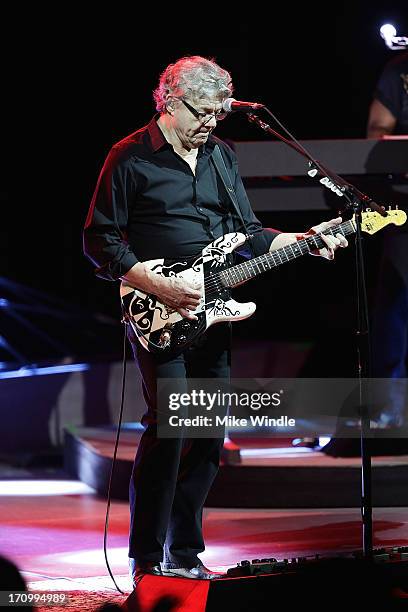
<point x="227" y="105"/>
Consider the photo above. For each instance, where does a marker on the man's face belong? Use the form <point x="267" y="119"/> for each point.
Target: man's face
<point x="194" y="121"/>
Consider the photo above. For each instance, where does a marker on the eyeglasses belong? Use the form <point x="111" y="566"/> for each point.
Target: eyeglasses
<point x="204" y="118"/>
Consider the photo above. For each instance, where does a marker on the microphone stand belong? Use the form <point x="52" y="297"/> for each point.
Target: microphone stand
<point x="356" y="200"/>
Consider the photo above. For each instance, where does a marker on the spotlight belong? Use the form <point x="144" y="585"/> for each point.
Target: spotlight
<point x="389" y="34"/>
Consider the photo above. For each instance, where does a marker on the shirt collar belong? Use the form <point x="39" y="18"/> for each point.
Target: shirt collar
<point x="158" y="140"/>
<point x="156" y="135"/>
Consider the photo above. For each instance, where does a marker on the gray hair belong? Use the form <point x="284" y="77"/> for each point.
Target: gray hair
<point x="194" y="77"/>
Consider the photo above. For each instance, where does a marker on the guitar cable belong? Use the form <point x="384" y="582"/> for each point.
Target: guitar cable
<point x="108" y="503"/>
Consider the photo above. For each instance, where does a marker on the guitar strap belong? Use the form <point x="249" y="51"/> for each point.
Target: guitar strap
<point x="219" y="164"/>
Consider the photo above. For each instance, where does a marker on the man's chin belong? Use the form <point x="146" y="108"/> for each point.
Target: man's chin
<point x="201" y="137"/>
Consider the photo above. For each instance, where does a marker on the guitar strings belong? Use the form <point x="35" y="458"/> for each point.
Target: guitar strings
<point x="211" y="283"/>
<point x="214" y="283"/>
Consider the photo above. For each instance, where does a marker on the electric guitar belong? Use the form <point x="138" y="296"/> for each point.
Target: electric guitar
<point x="162" y="329"/>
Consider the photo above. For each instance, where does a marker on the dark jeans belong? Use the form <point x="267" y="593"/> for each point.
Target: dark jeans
<point x="171" y="477"/>
<point x="390" y="330"/>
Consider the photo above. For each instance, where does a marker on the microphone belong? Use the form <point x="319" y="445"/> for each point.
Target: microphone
<point x="230" y="105"/>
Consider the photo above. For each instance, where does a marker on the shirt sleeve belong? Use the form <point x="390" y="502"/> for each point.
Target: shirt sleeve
<point x="262" y="237"/>
<point x="104" y="235"/>
<point x="389" y="89"/>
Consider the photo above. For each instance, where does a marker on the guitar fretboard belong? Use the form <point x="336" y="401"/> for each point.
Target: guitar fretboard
<point x="251" y="268"/>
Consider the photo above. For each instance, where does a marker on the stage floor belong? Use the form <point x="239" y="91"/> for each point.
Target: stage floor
<point x="271" y="473"/>
<point x="53" y="530"/>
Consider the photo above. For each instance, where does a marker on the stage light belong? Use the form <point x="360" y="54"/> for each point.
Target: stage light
<point x="91" y="557"/>
<point x="32" y="370"/>
<point x="389" y="34"/>
<point x="323" y="440"/>
<point x="26" y="488"/>
<point x="275" y="452"/>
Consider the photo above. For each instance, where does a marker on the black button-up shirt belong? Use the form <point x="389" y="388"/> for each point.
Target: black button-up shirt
<point x="148" y="204"/>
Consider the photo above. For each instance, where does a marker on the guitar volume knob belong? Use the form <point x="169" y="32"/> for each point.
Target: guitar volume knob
<point x="165" y="338"/>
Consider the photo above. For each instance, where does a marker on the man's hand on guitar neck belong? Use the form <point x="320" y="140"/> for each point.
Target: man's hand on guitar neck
<point x="332" y="242"/>
<point x="173" y="291"/>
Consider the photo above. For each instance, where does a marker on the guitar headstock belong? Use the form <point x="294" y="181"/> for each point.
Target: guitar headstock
<point x="372" y="221"/>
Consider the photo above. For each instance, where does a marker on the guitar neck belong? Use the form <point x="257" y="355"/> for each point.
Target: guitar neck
<point x="253" y="267"/>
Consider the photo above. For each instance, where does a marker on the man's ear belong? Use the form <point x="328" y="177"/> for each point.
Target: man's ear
<point x="170" y="106"/>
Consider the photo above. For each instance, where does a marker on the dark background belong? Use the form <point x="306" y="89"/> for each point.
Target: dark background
<point x="75" y="86"/>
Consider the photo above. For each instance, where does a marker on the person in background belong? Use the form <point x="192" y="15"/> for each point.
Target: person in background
<point x="388" y="115"/>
